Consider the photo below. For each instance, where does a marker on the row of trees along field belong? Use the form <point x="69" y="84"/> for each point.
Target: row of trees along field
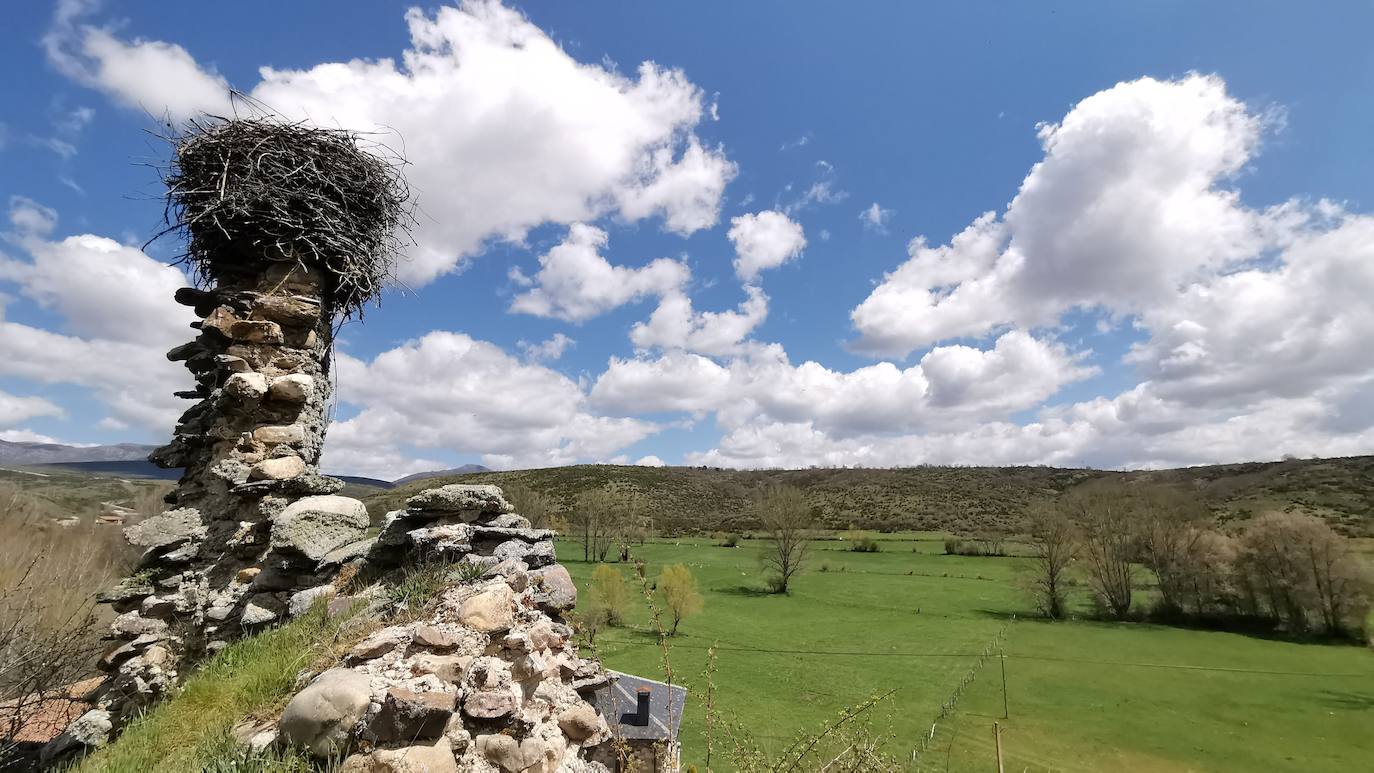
<point x="1285" y="570"/>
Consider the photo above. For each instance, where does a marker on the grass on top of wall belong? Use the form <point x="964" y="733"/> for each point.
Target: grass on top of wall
<point x="250" y="678"/>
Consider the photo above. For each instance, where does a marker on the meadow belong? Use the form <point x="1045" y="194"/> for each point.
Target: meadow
<point x="1081" y="695"/>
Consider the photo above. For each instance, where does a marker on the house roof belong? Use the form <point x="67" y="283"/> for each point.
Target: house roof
<point x="618" y="700"/>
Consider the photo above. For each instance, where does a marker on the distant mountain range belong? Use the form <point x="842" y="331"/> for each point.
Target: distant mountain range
<point x="131" y="460"/>
<point x="55" y="453"/>
<point x="464" y="470"/>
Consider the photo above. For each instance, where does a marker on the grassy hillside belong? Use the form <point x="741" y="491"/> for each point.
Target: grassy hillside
<point x="702" y="500"/>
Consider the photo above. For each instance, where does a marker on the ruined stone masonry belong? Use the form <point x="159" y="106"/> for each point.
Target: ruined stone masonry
<point x="255" y="535"/>
<point x="253" y="531"/>
<point x="489" y="683"/>
<point x="291" y="229"/>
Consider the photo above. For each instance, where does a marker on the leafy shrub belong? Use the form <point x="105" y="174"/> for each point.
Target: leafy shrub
<point x="962" y="547"/>
<point x="609" y="593"/>
<point x="865" y="545"/>
<point x="776" y="584"/>
<point x="860" y="541"/>
<point x="679" y="590"/>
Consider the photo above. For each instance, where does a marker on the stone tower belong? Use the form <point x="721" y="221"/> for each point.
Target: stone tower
<point x="291" y="230"/>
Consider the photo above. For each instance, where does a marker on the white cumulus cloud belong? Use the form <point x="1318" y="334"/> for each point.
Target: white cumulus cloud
<point x="449" y="391"/>
<point x="114" y="306"/>
<point x="576" y="283"/>
<point x="504" y="131"/>
<point x="764" y="240"/>
<point x="1129" y="203"/>
<point x="160" y="78"/>
<point x="676" y="325"/>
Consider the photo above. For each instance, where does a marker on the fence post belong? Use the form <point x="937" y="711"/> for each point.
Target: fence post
<point x="997" y="736"/>
<point x="1006" y="714"/>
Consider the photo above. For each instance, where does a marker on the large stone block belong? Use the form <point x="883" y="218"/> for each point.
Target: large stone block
<point x="294" y="388"/>
<point x="490" y="610"/>
<point x="407" y="715"/>
<point x="314" y="526"/>
<point x="280" y="468"/>
<point x="174" y="527"/>
<point x="461" y="497"/>
<point x="284" y="434"/>
<point x="90" y="731"/>
<point x="420" y="758"/>
<point x="553" y="588"/>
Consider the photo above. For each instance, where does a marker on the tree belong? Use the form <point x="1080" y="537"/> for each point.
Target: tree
<point x="1054" y="543"/>
<point x="589" y="620"/>
<point x="630" y="520"/>
<point x="1103" y="512"/>
<point x="990" y="542"/>
<point x="679" y="590"/>
<point x="1299" y="573"/>
<point x="609" y="593"/>
<point x="592" y="520"/>
<point x="537" y="506"/>
<point x="785" y="517"/>
<point x="1207" y="576"/>
<point x="606" y="517"/>
<point x="1170" y="527"/>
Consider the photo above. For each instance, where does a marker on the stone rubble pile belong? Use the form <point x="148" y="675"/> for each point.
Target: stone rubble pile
<point x="489" y="683"/>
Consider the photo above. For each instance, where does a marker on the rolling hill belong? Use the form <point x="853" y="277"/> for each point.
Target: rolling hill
<point x="704" y="500"/>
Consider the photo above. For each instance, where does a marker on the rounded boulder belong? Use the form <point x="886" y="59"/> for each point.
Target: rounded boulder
<point x="321" y="717"/>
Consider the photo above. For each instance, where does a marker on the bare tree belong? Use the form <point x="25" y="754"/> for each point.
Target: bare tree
<point x="1172" y="538"/>
<point x="785" y="516"/>
<point x="593" y="522"/>
<point x="1208" y="580"/>
<point x="1298" y="572"/>
<point x="990" y="542"/>
<point x="1103" y="511"/>
<point x="42" y="652"/>
<point x="631" y="520"/>
<point x="50" y="628"/>
<point x="538" y="507"/>
<point x="1053" y="543"/>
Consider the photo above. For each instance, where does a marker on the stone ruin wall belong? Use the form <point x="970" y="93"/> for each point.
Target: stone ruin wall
<point x="490" y="682"/>
<point x="217" y="565"/>
<point x="255" y="535"/>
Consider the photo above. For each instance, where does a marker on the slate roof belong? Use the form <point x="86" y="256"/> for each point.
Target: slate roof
<point x="618" y="701"/>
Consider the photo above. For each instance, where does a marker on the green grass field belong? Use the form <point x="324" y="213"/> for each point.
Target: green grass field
<point x="1082" y="695"/>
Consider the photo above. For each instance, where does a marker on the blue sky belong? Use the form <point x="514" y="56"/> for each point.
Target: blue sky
<point x="1170" y="273"/>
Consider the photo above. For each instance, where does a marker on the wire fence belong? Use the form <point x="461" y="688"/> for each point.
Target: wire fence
<point x="993" y="649"/>
<point x="1009" y="656"/>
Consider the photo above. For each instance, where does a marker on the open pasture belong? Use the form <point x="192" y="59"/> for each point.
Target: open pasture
<point x="1081" y="695"/>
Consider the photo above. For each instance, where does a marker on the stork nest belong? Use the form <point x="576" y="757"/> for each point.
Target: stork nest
<point x="249" y="191"/>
